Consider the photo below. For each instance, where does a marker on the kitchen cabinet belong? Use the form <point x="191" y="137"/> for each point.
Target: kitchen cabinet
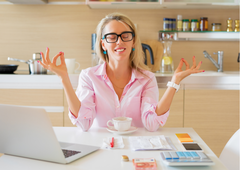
<point x="50" y="99"/>
<point x="214" y="115"/>
<point x="158" y="4"/>
<point x="175" y="118"/>
<point x="203" y="4"/>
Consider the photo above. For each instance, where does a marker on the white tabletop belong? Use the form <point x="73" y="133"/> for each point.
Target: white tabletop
<point x="105" y="159"/>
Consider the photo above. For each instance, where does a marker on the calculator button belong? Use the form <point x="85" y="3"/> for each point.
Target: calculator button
<point x="202" y="155"/>
<point x="174" y="155"/>
<point x="194" y="155"/>
<point x="167" y="155"/>
<point x="188" y="155"/>
<point x="180" y="155"/>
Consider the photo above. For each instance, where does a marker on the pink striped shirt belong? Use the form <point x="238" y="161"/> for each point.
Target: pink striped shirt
<point x="100" y="103"/>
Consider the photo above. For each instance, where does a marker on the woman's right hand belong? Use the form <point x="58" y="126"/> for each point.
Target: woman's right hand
<point x="60" y="70"/>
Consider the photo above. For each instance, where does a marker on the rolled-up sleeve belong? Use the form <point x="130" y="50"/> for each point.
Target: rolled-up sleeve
<point x="150" y="98"/>
<point x="85" y="94"/>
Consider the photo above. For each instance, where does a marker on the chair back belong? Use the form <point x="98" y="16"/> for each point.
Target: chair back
<point x="231" y="151"/>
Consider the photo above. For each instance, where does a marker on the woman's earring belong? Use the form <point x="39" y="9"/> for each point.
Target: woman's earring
<point x="104" y="52"/>
<point x="133" y="49"/>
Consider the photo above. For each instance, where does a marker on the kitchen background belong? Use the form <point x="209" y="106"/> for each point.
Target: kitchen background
<point x="26" y="29"/>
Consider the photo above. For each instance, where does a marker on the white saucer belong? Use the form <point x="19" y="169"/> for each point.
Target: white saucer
<point x="131" y="130"/>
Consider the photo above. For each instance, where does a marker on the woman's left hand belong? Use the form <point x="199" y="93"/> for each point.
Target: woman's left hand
<point x="179" y="74"/>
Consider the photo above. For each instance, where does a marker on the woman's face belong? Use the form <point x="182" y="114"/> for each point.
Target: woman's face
<point x="120" y="50"/>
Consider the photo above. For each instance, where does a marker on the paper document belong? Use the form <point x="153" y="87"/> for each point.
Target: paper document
<point x="138" y="143"/>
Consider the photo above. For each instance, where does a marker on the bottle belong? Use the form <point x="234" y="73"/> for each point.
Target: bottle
<point x="179" y="23"/>
<point x="167" y="62"/>
<point x="203" y="23"/>
<point x="229" y="25"/>
<point x="237" y="25"/>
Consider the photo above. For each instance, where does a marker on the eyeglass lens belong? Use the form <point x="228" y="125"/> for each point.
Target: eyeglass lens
<point x="111" y="38"/>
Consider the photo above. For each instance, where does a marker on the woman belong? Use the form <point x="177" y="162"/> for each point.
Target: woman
<point x="122" y="84"/>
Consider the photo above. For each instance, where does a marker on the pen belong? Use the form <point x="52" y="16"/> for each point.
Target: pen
<point x="112" y="143"/>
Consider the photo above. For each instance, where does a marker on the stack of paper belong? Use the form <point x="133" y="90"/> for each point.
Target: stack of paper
<point x="138" y="143"/>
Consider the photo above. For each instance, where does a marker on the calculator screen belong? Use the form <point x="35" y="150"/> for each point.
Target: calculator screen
<point x="191" y="146"/>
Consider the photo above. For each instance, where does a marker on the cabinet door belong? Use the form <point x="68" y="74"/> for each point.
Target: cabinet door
<point x="175" y="118"/>
<point x="50" y="98"/>
<point x="214" y="115"/>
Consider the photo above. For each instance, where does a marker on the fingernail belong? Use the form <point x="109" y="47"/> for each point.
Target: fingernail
<point x="194" y="56"/>
<point x="60" y="52"/>
<point x="182" y="59"/>
<point x="203" y="70"/>
<point x="201" y="62"/>
<point x="38" y="61"/>
<point x="47" y="48"/>
<point x="63" y="53"/>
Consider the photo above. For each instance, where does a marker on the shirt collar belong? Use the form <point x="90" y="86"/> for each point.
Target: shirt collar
<point x="101" y="71"/>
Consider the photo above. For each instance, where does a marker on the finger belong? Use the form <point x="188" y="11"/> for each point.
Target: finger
<point x="56" y="57"/>
<point x="198" y="66"/>
<point x="180" y="64"/>
<point x="43" y="59"/>
<point x="47" y="56"/>
<point x="186" y="63"/>
<point x="62" y="59"/>
<point x="197" y="71"/>
<point x="42" y="64"/>
<point x="194" y="63"/>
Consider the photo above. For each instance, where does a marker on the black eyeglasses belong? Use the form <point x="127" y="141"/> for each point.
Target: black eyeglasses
<point x="113" y="37"/>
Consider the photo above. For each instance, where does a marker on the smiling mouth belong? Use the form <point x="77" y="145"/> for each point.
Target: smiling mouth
<point x="120" y="50"/>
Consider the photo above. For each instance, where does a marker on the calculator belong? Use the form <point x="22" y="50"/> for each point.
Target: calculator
<point x="185" y="158"/>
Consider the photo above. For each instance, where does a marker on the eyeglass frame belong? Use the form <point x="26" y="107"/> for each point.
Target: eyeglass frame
<point x="118" y="35"/>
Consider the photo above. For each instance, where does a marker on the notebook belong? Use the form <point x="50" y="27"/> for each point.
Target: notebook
<point x="27" y="132"/>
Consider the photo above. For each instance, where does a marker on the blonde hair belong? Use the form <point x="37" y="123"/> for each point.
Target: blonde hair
<point x="136" y="57"/>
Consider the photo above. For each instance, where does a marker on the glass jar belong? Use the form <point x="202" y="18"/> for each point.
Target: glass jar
<point x="216" y="27"/>
<point x="203" y="23"/>
<point x="185" y="24"/>
<point x="166" y="24"/>
<point x="173" y="24"/>
<point x="194" y="25"/>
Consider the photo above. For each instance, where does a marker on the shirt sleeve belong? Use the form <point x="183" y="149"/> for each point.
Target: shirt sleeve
<point x="150" y="98"/>
<point x="85" y="94"/>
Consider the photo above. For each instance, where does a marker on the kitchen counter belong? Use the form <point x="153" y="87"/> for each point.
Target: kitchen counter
<point x="209" y="79"/>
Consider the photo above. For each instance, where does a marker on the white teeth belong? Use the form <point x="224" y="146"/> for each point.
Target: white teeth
<point x="119" y="50"/>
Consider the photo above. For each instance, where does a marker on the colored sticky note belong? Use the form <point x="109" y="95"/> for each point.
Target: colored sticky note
<point x="184" y="137"/>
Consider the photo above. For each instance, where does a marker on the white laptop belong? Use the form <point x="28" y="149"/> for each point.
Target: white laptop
<point x="27" y="132"/>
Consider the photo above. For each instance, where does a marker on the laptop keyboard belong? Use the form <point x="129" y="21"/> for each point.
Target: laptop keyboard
<point x="68" y="153"/>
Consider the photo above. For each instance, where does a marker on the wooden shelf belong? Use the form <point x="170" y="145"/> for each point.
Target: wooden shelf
<point x="202" y="35"/>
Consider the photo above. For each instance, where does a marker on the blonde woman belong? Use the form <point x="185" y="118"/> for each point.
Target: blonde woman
<point x="121" y="85"/>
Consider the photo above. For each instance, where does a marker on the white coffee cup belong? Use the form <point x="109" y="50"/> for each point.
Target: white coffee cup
<point x="70" y="63"/>
<point x="120" y="123"/>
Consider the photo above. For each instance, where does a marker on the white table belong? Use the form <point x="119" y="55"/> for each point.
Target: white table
<point x="104" y="159"/>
